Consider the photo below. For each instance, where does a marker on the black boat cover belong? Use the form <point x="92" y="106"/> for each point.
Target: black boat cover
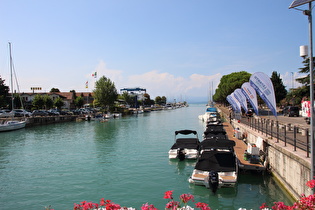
<point x="219" y="161"/>
<point x="215" y="129"/>
<point x="186" y="132"/>
<point x="215" y="136"/>
<point x="188" y="143"/>
<point x="217" y="144"/>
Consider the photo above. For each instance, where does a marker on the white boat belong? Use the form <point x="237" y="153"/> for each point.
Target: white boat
<point x="12" y="124"/>
<point x="216" y="166"/>
<point x="185" y="148"/>
<point x="210" y="112"/>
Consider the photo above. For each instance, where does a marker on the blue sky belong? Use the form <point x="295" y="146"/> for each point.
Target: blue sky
<point x="173" y="48"/>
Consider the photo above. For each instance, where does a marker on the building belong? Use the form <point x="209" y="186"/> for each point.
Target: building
<point x="67" y="97"/>
<point x="139" y="92"/>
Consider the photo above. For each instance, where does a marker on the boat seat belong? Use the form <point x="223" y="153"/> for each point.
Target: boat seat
<point x="228" y="178"/>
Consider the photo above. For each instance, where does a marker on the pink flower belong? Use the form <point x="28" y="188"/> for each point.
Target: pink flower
<point x="202" y="206"/>
<point x="148" y="207"/>
<point x="186" y="197"/>
<point x="263" y="206"/>
<point x="172" y="205"/>
<point x="168" y="194"/>
<point x="311" y="183"/>
<point x="280" y="206"/>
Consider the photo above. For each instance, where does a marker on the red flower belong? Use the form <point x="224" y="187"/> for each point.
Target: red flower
<point x="263" y="206"/>
<point x="148" y="207"/>
<point x="311" y="183"/>
<point x="172" y="205"/>
<point x="168" y="194"/>
<point x="202" y="206"/>
<point x="186" y="197"/>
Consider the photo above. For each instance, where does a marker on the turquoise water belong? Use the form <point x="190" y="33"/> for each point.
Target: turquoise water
<point x="124" y="160"/>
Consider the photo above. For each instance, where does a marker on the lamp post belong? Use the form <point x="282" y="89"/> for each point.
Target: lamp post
<point x="308" y="12"/>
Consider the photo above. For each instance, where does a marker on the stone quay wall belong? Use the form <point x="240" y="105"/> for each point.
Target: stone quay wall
<point x="34" y="121"/>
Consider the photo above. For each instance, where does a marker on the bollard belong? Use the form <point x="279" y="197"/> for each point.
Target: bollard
<point x="289" y="127"/>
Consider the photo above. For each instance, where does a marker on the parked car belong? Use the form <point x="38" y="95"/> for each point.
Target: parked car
<point x="39" y="113"/>
<point x="53" y="112"/>
<point x="6" y="113"/>
<point x="21" y="113"/>
<point x="291" y="111"/>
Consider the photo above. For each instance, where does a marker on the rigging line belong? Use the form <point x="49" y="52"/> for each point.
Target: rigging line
<point x="16" y="81"/>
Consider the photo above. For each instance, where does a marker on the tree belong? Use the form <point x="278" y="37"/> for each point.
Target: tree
<point x="79" y="101"/>
<point x="38" y="101"/>
<point x="280" y="91"/>
<point x="55" y="90"/>
<point x="105" y="92"/>
<point x="127" y="98"/>
<point x="229" y="83"/>
<point x="160" y="100"/>
<point x="48" y="102"/>
<point x="4" y="94"/>
<point x="58" y="103"/>
<point x="147" y="100"/>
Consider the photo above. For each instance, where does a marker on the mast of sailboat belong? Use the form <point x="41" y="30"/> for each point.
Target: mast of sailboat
<point x="12" y="99"/>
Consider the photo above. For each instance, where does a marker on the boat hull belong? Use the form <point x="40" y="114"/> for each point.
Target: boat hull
<point x="12" y="125"/>
<point x="189" y="153"/>
<point x="226" y="179"/>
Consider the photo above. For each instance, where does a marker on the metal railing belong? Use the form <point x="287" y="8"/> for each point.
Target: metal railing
<point x="283" y="133"/>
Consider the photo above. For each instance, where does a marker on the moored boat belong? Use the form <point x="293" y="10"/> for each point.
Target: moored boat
<point x="185" y="148"/>
<point x="216" y="166"/>
<point x="12" y="125"/>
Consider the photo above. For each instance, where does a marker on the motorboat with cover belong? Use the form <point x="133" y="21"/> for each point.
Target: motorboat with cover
<point x="213" y="129"/>
<point x="210" y="112"/>
<point x="185" y="148"/>
<point x="216" y="166"/>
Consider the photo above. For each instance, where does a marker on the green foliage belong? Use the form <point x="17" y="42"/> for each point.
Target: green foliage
<point x="48" y="102"/>
<point x="4" y="94"/>
<point x="79" y="101"/>
<point x="305" y="70"/>
<point x="160" y="100"/>
<point x="38" y="101"/>
<point x="105" y="92"/>
<point x="147" y="100"/>
<point x="127" y="98"/>
<point x="58" y="103"/>
<point x="280" y="91"/>
<point x="229" y="83"/>
<point x="74" y="95"/>
<point x="55" y="90"/>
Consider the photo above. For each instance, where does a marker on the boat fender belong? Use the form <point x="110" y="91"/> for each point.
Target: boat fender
<point x="181" y="154"/>
<point x="213" y="181"/>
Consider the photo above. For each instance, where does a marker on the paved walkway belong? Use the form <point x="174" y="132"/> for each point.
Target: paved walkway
<point x="229" y="128"/>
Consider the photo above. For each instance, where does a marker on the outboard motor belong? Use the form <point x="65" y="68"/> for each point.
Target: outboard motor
<point x="213" y="181"/>
<point x="181" y="154"/>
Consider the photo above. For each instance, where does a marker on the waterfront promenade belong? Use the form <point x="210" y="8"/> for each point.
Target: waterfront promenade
<point x="290" y="164"/>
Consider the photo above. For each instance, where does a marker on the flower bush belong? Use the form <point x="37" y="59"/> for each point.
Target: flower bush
<point x="304" y="203"/>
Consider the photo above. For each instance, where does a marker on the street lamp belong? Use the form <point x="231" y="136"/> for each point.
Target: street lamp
<point x="308" y="12"/>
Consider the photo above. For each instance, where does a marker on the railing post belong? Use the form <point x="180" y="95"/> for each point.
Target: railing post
<point x="277" y="131"/>
<point x="271" y="129"/>
<point x="294" y="134"/>
<point x="307" y="143"/>
<point x="285" y="135"/>
<point x="266" y="123"/>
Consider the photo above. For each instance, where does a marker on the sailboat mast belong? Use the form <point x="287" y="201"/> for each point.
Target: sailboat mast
<point x="12" y="102"/>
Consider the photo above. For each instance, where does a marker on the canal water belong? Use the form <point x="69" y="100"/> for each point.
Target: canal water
<point x="124" y="160"/>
